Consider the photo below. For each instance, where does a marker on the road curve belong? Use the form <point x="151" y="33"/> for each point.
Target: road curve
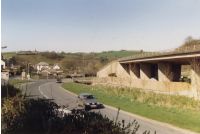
<point x="52" y="90"/>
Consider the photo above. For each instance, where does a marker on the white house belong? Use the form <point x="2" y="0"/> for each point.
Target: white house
<point x="41" y="66"/>
<point x="5" y="75"/>
<point x="4" y="72"/>
<point x="3" y="64"/>
<point x="56" y="67"/>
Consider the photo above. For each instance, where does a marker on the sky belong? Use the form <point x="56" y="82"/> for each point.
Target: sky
<point x="98" y="25"/>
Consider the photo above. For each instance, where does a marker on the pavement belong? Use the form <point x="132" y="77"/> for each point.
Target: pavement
<point x="49" y="89"/>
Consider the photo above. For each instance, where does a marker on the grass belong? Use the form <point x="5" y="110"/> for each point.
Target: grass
<point x="8" y="54"/>
<point x="16" y="82"/>
<point x="176" y="110"/>
<point x="117" y="54"/>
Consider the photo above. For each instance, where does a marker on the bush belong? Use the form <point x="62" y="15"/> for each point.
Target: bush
<point x="41" y="116"/>
<point x="27" y="115"/>
<point x="90" y="123"/>
<point x="12" y="110"/>
<point x="9" y="91"/>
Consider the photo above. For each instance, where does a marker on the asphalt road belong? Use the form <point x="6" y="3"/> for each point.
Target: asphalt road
<point x="51" y="90"/>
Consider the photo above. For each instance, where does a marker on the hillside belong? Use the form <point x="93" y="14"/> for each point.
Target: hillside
<point x="70" y="62"/>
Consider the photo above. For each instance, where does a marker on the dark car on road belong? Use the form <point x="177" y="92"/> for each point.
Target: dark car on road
<point x="88" y="101"/>
<point x="59" y="80"/>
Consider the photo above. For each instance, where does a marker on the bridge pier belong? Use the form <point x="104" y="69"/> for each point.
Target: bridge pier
<point x="145" y="71"/>
<point x="134" y="71"/>
<point x="126" y="67"/>
<point x="195" y="77"/>
<point x="168" y="71"/>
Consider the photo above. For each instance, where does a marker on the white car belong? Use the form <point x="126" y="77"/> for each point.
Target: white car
<point x="64" y="111"/>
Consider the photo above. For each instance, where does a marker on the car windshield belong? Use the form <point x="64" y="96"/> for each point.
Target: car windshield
<point x="89" y="97"/>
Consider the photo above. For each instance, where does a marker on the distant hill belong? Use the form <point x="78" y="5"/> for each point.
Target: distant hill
<point x="118" y="54"/>
<point x="79" y="62"/>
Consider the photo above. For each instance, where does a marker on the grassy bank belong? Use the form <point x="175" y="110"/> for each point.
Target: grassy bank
<point x="176" y="110"/>
<point x="16" y="82"/>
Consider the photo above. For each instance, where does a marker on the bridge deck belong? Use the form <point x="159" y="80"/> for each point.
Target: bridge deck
<point x="184" y="57"/>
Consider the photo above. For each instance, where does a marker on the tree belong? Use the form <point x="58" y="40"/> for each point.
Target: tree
<point x="190" y="44"/>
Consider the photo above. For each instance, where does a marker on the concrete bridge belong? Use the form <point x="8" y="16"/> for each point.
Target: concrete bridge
<point x="158" y="72"/>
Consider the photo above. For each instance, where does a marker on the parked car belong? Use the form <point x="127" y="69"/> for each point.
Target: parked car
<point x="88" y="101"/>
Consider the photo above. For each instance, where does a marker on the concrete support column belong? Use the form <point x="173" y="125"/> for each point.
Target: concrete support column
<point x="164" y="72"/>
<point x="195" y="78"/>
<point x="168" y="72"/>
<point x="134" y="71"/>
<point x="126" y="68"/>
<point x="145" y="71"/>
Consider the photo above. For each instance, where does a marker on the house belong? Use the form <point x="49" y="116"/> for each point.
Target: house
<point x="45" y="72"/>
<point x="3" y="64"/>
<point x="42" y="66"/>
<point x="56" y="67"/>
<point x="5" y="75"/>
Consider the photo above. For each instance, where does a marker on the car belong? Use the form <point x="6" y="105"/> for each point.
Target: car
<point x="88" y="101"/>
<point x="59" y="80"/>
<point x="63" y="111"/>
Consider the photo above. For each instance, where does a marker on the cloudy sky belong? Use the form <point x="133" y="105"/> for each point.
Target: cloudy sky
<point x="98" y="25"/>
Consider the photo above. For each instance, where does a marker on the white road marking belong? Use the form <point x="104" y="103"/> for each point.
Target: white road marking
<point x="42" y="93"/>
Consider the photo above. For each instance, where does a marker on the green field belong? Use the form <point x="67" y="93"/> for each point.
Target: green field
<point x="176" y="110"/>
<point x="117" y="54"/>
<point x="7" y="55"/>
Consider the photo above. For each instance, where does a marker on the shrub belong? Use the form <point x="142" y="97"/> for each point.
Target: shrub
<point x="9" y="91"/>
<point x="12" y="110"/>
<point x="41" y="116"/>
<point x="27" y="115"/>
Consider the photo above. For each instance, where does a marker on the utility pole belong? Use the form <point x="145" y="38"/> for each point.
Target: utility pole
<point x="83" y="66"/>
<point x="28" y="68"/>
<point x="28" y="75"/>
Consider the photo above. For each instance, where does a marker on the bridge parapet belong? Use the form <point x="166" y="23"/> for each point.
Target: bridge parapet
<point x="148" y="55"/>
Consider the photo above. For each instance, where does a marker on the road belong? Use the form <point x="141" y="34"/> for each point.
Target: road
<point x="51" y="90"/>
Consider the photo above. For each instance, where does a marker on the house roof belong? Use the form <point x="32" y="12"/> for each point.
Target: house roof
<point x="56" y="65"/>
<point x="43" y="64"/>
